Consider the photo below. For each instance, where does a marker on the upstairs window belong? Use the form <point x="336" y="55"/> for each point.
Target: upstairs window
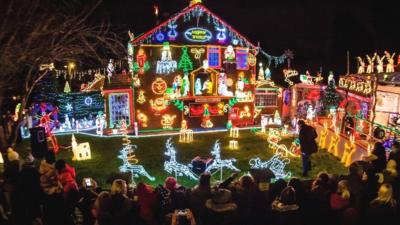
<point x="242" y="55"/>
<point x="214" y="56"/>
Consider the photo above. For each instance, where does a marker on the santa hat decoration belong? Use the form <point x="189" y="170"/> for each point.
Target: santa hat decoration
<point x="12" y="155"/>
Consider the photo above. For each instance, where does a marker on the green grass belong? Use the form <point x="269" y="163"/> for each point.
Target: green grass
<point x="150" y="152"/>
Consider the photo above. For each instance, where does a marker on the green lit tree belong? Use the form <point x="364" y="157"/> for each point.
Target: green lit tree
<point x="330" y="97"/>
<point x="185" y="63"/>
<point x="67" y="88"/>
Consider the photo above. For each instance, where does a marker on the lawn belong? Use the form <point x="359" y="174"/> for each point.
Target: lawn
<point x="150" y="152"/>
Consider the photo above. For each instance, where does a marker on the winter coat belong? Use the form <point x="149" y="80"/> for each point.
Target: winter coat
<point x="48" y="179"/>
<point x="29" y="195"/>
<point x="221" y="214"/>
<point x="285" y="214"/>
<point x="381" y="213"/>
<point x="67" y="180"/>
<point x="11" y="173"/>
<point x="307" y="136"/>
<point x="147" y="203"/>
<point x="379" y="163"/>
<point x="198" y="198"/>
<point x="396" y="157"/>
<point x="247" y="203"/>
<point x="123" y="210"/>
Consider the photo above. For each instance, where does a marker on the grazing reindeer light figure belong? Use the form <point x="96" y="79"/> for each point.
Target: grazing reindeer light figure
<point x="361" y="67"/>
<point x="276" y="164"/>
<point x="172" y="166"/>
<point x="390" y="65"/>
<point x="379" y="60"/>
<point x="130" y="161"/>
<point x="371" y="65"/>
<point x="218" y="164"/>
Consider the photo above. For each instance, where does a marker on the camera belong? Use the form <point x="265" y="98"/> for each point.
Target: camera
<point x="88" y="182"/>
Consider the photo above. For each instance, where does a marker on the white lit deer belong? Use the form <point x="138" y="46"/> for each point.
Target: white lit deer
<point x="172" y="166"/>
<point x="361" y="67"/>
<point x="379" y="60"/>
<point x="371" y="65"/>
<point x="130" y="162"/>
<point x="218" y="164"/>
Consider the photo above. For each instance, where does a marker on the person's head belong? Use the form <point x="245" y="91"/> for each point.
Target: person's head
<point x="356" y="170"/>
<point x="170" y="183"/>
<point x="119" y="186"/>
<point x="385" y="193"/>
<point x="301" y="123"/>
<point x="50" y="157"/>
<point x="103" y="202"/>
<point x="12" y="155"/>
<point x="246" y="182"/>
<point x="204" y="179"/>
<point x="391" y="166"/>
<point x="295" y="183"/>
<point x="60" y="164"/>
<point x="288" y="196"/>
<point x="343" y="189"/>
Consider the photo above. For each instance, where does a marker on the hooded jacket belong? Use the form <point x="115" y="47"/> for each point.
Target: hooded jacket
<point x="48" y="178"/>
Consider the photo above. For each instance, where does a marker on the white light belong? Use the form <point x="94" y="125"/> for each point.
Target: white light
<point x="275" y="164"/>
<point x="218" y="164"/>
<point x="172" y="166"/>
<point x="129" y="162"/>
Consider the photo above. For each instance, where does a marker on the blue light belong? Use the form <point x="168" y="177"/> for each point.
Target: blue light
<point x="160" y="36"/>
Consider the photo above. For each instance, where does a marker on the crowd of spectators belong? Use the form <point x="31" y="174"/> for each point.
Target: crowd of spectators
<point x="47" y="192"/>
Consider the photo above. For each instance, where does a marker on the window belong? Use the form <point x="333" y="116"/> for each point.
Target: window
<point x="266" y="100"/>
<point x="241" y="58"/>
<point x="119" y="109"/>
<point x="214" y="56"/>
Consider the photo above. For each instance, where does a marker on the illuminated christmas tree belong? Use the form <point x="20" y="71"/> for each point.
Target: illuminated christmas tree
<point x="67" y="88"/>
<point x="330" y="97"/>
<point x="185" y="63"/>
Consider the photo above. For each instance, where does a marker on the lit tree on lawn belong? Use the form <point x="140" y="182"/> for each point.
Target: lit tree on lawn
<point x="67" y="88"/>
<point x="185" y="63"/>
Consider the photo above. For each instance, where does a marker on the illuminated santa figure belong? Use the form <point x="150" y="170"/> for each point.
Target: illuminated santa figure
<point x="229" y="54"/>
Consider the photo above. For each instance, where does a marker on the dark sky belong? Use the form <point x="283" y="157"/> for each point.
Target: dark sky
<point x="319" y="32"/>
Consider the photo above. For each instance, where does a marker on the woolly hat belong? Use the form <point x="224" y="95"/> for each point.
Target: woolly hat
<point x="12" y="155"/>
<point x="170" y="183"/>
<point x="221" y="201"/>
<point x="29" y="159"/>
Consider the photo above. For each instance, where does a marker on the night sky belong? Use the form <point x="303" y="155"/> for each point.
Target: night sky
<point x="319" y="32"/>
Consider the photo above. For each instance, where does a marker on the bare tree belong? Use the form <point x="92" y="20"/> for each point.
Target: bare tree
<point x="38" y="32"/>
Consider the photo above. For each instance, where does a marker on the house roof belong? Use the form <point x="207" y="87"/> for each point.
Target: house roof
<point x="196" y="7"/>
<point x="118" y="81"/>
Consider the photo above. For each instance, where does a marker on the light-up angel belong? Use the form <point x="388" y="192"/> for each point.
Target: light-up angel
<point x="390" y="59"/>
<point x="371" y="64"/>
<point x="379" y="60"/>
<point x="361" y="66"/>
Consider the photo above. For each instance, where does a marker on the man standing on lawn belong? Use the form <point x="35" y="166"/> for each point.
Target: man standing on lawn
<point x="308" y="145"/>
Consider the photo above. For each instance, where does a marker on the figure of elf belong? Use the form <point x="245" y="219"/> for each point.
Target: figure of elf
<point x="229" y="54"/>
<point x="197" y="87"/>
<point x="185" y="85"/>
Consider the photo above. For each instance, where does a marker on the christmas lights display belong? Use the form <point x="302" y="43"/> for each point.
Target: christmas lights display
<point x="130" y="161"/>
<point x="219" y="164"/>
<point x="333" y="143"/>
<point x="323" y="136"/>
<point x="81" y="151"/>
<point x="390" y="59"/>
<point x="173" y="167"/>
<point x="276" y="164"/>
<point x="195" y="63"/>
<point x="349" y="150"/>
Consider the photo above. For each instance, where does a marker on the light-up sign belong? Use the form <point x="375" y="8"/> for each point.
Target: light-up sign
<point x="197" y="34"/>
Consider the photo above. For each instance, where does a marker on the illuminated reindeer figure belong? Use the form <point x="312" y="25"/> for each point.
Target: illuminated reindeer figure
<point x="390" y="65"/>
<point x="371" y="65"/>
<point x="218" y="163"/>
<point x="276" y="164"/>
<point x="379" y="60"/>
<point x="361" y="67"/>
<point x="130" y="162"/>
<point x="172" y="166"/>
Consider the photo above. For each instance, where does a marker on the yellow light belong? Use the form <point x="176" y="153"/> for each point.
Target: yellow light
<point x="71" y="65"/>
